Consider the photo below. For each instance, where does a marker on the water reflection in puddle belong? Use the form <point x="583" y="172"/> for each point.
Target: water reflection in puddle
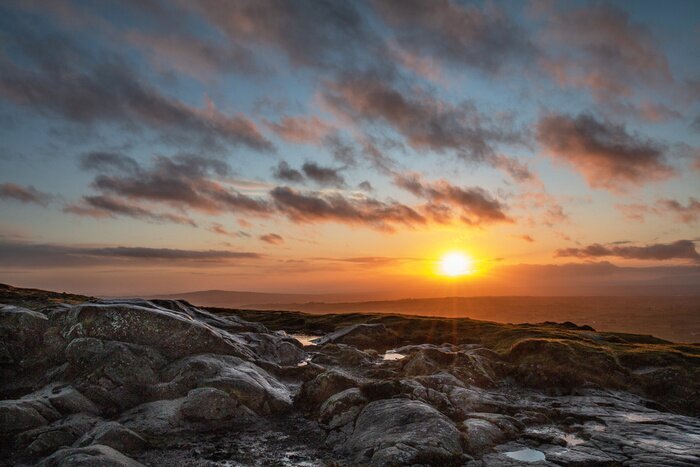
<point x="526" y="455"/>
<point x="304" y="339"/>
<point x="391" y="356"/>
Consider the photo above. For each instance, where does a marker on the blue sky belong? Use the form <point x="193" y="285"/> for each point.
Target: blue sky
<point x="519" y="132"/>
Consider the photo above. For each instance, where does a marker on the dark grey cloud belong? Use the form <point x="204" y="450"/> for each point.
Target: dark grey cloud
<point x="272" y="239"/>
<point x="365" y="186"/>
<point x="167" y="253"/>
<point x="56" y="76"/>
<point x="486" y="38"/>
<point x="312" y="207"/>
<point x="342" y="150"/>
<point x="31" y="255"/>
<point x="194" y="56"/>
<point x="472" y="205"/>
<point x="330" y="33"/>
<point x="424" y="121"/>
<point x="601" y="48"/>
<point x="24" y="194"/>
<point x="106" y="206"/>
<point x="99" y="161"/>
<point x="681" y="249"/>
<point x="695" y="124"/>
<point x="221" y="230"/>
<point x="325" y="176"/>
<point x="286" y="173"/>
<point x="182" y="181"/>
<point x="605" y="153"/>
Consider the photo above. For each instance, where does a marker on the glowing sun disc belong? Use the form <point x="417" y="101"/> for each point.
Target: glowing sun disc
<point x="456" y="264"/>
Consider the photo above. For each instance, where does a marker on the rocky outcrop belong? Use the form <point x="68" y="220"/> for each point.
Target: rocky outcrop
<point x="138" y="382"/>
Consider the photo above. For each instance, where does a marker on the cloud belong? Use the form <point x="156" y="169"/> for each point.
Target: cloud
<point x="33" y="255"/>
<point x="526" y="238"/>
<point x="687" y="214"/>
<point x="194" y="56"/>
<point x="366" y="186"/>
<point x="99" y="161"/>
<point x="325" y="176"/>
<point x="600" y="48"/>
<point x="286" y="173"/>
<point x="106" y="206"/>
<point x="681" y="249"/>
<point x="483" y="38"/>
<point x="180" y="181"/>
<point x="301" y="129"/>
<point x="168" y="253"/>
<point x="539" y="202"/>
<point x="362" y="211"/>
<point x="518" y="170"/>
<point x="318" y="34"/>
<point x="423" y="120"/>
<point x="24" y="194"/>
<point x="217" y="228"/>
<point x="473" y="205"/>
<point x="272" y="239"/>
<point x="603" y="152"/>
<point x="369" y="260"/>
<point x="99" y="87"/>
<point x="634" y="211"/>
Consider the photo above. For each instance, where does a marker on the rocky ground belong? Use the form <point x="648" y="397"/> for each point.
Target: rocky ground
<point x="136" y="382"/>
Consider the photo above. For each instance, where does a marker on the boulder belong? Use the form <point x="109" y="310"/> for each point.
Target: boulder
<point x="280" y="350"/>
<point x="208" y="404"/>
<point x="91" y="456"/>
<point x="481" y="435"/>
<point x="342" y="355"/>
<point x="21" y="334"/>
<point x="341" y="408"/>
<point x="65" y="398"/>
<point x="155" y="419"/>
<point x="247" y="383"/>
<point x="404" y="432"/>
<point x="61" y="433"/>
<point x="117" y="375"/>
<point x="174" y="334"/>
<point x="20" y="415"/>
<point x="114" y="435"/>
<point x="313" y="393"/>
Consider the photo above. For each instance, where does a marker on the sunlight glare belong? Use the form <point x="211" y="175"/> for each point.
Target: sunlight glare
<point x="456" y="264"/>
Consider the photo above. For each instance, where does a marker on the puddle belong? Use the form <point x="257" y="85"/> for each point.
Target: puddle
<point x="526" y="455"/>
<point x="391" y="356"/>
<point x="304" y="339"/>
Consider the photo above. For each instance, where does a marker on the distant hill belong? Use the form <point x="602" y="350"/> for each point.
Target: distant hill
<point x="237" y="299"/>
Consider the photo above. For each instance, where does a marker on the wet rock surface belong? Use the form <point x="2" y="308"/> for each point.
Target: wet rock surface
<point x="137" y="382"/>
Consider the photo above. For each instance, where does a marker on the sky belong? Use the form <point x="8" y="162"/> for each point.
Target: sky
<point x="345" y="147"/>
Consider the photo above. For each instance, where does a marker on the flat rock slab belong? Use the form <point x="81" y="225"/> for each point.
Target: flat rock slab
<point x="404" y="432"/>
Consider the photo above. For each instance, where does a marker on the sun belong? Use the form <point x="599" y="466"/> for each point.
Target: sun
<point x="456" y="264"/>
